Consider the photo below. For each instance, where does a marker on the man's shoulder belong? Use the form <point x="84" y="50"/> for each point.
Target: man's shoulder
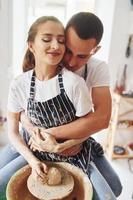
<point x="94" y="62"/>
<point x="93" y="66"/>
<point x="98" y="73"/>
<point x="71" y="76"/>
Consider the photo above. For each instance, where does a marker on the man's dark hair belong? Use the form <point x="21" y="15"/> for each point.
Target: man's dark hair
<point x="87" y="25"/>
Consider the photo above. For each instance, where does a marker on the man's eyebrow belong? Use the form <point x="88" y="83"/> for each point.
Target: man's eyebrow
<point x="68" y="49"/>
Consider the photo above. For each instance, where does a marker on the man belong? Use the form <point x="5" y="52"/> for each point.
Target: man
<point x="83" y="34"/>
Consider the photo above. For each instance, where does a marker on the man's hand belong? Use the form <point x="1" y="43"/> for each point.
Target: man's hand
<point x="72" y="151"/>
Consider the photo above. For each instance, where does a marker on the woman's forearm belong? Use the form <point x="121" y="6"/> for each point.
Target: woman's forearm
<point x="16" y="139"/>
<point x="26" y="123"/>
<point x="22" y="148"/>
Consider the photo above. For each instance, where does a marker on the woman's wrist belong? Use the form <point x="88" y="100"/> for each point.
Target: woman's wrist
<point x="32" y="161"/>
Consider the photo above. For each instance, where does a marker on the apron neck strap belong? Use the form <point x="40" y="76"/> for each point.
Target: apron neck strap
<point x="85" y="72"/>
<point x="32" y="85"/>
<point x="60" y="79"/>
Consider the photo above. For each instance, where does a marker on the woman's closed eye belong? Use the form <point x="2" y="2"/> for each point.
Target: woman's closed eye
<point x="59" y="40"/>
<point x="46" y="39"/>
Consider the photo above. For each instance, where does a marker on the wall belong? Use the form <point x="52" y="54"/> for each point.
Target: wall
<point x="19" y="33"/>
<point x="13" y="31"/>
<point x="117" y="19"/>
<point x="5" y="48"/>
<point x="104" y="9"/>
<point x="120" y="35"/>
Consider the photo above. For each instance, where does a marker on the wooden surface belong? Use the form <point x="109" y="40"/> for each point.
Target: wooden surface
<point x="122" y="110"/>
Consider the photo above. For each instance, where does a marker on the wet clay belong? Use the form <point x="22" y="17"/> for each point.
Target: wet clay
<point x="17" y="187"/>
<point x="45" y="191"/>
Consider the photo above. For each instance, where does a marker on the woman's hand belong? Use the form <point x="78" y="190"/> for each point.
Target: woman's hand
<point x="39" y="169"/>
<point x="43" y="142"/>
<point x="47" y="143"/>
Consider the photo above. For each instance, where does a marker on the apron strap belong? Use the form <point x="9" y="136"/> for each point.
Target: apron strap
<point x="85" y="72"/>
<point x="32" y="85"/>
<point x="60" y="79"/>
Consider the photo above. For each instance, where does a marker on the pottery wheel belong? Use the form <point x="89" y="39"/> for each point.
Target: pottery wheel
<point x="44" y="191"/>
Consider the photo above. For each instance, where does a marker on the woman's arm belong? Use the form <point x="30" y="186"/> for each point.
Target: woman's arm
<point x="26" y="123"/>
<point x="20" y="145"/>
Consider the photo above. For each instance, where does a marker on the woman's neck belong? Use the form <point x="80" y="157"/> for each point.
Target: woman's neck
<point x="46" y="72"/>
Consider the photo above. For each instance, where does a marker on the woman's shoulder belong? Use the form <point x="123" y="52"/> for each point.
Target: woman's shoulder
<point x="22" y="79"/>
<point x="23" y="76"/>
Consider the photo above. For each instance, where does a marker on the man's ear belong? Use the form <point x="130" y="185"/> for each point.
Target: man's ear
<point x="97" y="49"/>
<point x="94" y="50"/>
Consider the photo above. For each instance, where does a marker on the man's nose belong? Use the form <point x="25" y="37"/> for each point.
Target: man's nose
<point x="72" y="61"/>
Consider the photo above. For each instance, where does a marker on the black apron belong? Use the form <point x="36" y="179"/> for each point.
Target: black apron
<point x="55" y="112"/>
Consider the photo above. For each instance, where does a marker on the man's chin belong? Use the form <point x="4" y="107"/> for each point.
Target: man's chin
<point x="71" y="68"/>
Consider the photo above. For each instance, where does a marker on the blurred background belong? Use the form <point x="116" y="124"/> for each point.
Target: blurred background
<point x="16" y="16"/>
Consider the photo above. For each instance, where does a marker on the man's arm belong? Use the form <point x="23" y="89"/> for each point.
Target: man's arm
<point x="91" y="123"/>
<point x="84" y="126"/>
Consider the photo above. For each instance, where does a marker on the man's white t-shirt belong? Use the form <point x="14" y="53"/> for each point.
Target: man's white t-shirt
<point x="74" y="86"/>
<point x="97" y="73"/>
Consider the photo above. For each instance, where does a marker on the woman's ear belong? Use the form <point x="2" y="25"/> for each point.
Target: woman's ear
<point x="30" y="46"/>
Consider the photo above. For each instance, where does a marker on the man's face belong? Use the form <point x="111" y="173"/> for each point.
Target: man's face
<point x="78" y="51"/>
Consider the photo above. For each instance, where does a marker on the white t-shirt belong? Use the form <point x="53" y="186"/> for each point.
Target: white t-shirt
<point x="97" y="74"/>
<point x="74" y="86"/>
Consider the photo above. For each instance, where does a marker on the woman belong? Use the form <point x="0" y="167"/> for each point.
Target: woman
<point x="49" y="94"/>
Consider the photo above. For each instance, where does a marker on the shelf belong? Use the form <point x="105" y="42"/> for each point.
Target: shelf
<point x="121" y="123"/>
<point x="127" y="155"/>
<point x="112" y="155"/>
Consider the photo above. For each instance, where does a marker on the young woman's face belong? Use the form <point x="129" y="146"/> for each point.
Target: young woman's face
<point x="49" y="44"/>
